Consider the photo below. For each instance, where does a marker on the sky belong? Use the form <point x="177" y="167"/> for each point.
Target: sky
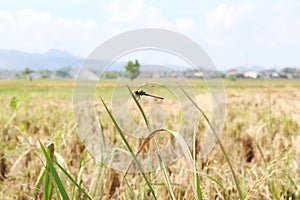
<point x="233" y="32"/>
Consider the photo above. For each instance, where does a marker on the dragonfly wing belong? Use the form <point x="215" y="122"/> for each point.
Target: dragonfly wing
<point x="151" y="89"/>
<point x="147" y="87"/>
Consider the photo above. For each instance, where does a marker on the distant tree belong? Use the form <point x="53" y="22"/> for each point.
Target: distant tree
<point x="133" y="69"/>
<point x="290" y="70"/>
<point x="43" y="74"/>
<point x="26" y="73"/>
<point x="18" y="75"/>
<point x="233" y="77"/>
<point x="63" y="72"/>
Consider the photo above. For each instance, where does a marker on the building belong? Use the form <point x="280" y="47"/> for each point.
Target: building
<point x="251" y="74"/>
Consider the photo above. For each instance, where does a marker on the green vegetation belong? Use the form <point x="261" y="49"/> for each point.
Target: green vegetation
<point x="257" y="156"/>
<point x="132" y="69"/>
<point x="26" y="73"/>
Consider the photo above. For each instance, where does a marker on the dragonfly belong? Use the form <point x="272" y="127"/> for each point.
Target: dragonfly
<point x="139" y="93"/>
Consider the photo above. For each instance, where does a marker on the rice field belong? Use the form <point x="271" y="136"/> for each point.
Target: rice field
<point x="260" y="137"/>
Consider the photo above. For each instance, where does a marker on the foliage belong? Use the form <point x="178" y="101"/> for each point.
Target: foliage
<point x="112" y="74"/>
<point x="133" y="69"/>
<point x="63" y="72"/>
<point x="43" y="74"/>
<point x="232" y="77"/>
<point x="26" y="73"/>
<point x="14" y="103"/>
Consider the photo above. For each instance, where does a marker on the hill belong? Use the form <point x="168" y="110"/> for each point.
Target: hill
<point x="53" y="59"/>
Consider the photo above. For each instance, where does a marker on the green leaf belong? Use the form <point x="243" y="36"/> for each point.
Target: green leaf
<point x="73" y="181"/>
<point x="52" y="171"/>
<point x="14" y="103"/>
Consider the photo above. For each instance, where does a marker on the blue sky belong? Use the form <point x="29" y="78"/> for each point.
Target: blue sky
<point x="233" y="33"/>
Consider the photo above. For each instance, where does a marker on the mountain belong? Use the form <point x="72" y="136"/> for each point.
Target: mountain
<point x="58" y="53"/>
<point x="53" y="59"/>
<point x="13" y="60"/>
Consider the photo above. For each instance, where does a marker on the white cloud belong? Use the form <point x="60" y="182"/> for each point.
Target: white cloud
<point x="284" y="26"/>
<point x="29" y="30"/>
<point x="4" y="15"/>
<point x="34" y="31"/>
<point x="135" y="14"/>
<point x="267" y="25"/>
<point x="221" y="18"/>
<point x="186" y="24"/>
<point x="229" y="24"/>
<point x="266" y="33"/>
<point x="226" y="17"/>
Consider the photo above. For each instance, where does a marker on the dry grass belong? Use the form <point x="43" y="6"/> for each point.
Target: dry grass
<point x="261" y="135"/>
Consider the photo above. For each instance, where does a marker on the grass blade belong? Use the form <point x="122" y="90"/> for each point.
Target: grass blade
<point x="129" y="148"/>
<point x="73" y="181"/>
<point x="185" y="150"/>
<point x="48" y="185"/>
<point x="38" y="183"/>
<point x="197" y="181"/>
<point x="219" y="142"/>
<point x="95" y="180"/>
<point x="168" y="183"/>
<point x="220" y="185"/>
<point x="130" y="189"/>
<point x="190" y="161"/>
<point x="53" y="172"/>
<point x="140" y="108"/>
